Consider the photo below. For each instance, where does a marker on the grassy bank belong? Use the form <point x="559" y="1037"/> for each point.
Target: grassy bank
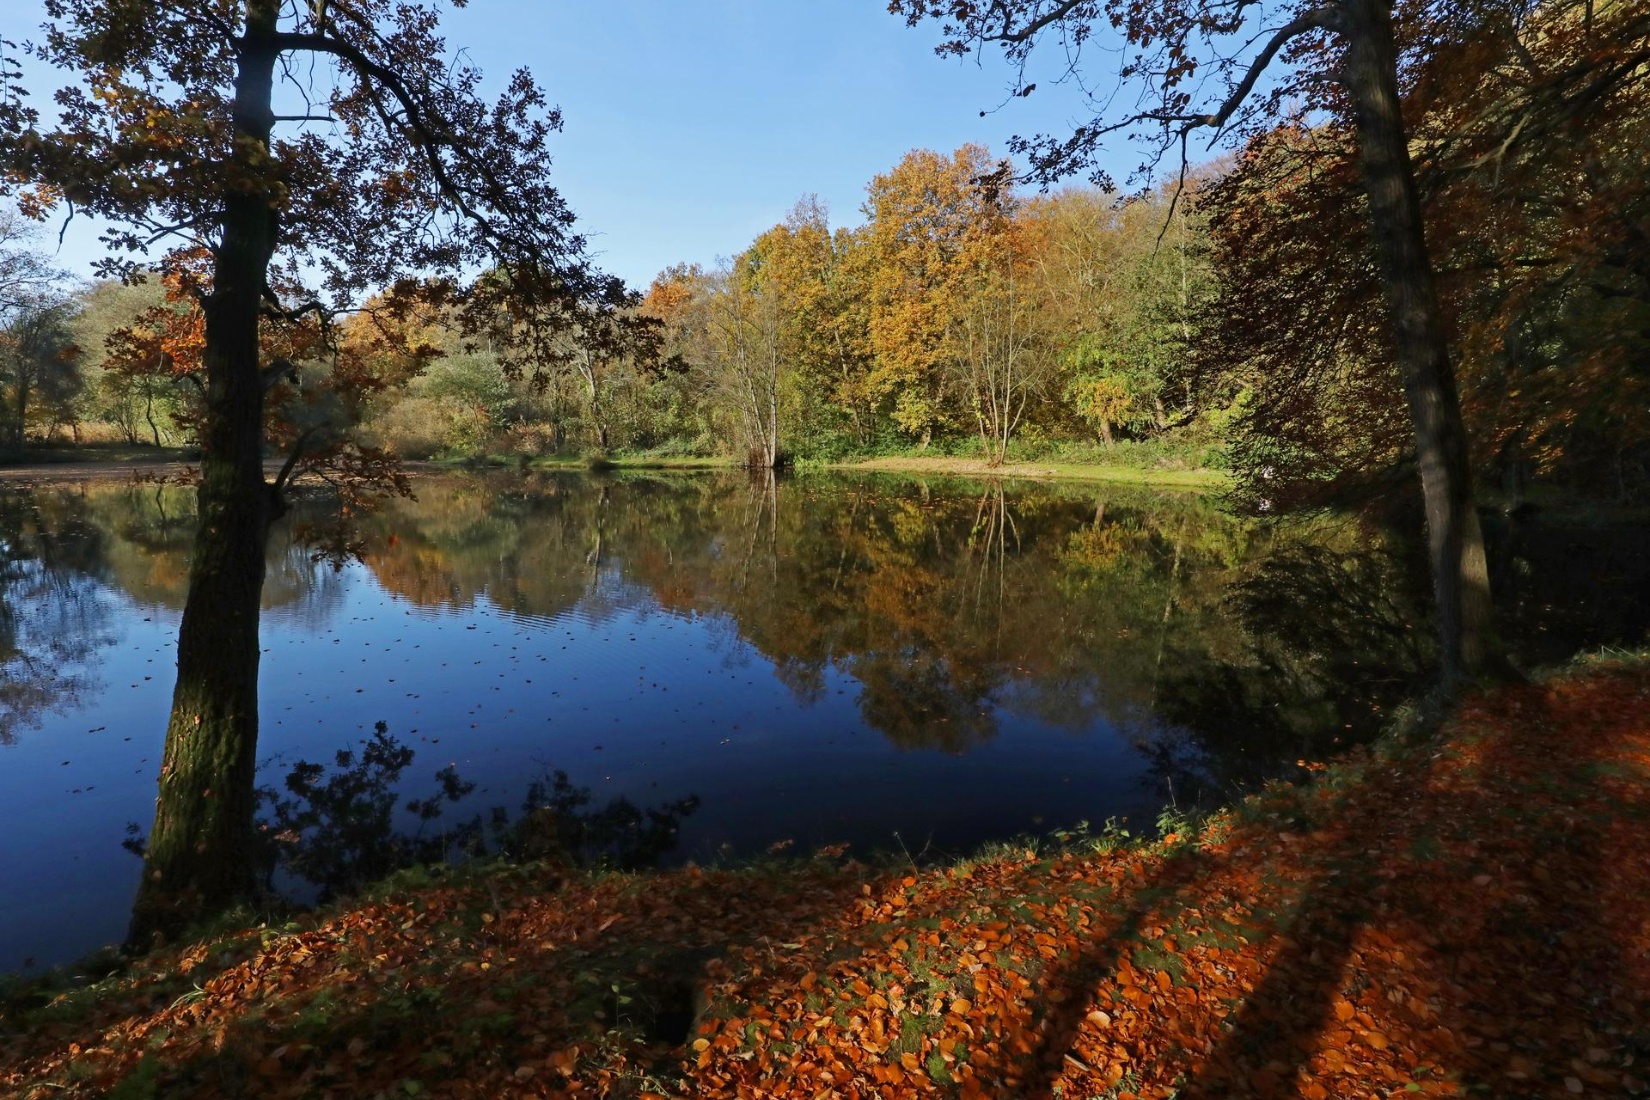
<point x="640" y="460"/>
<point x="1465" y="915"/>
<point x="1164" y="462"/>
<point x="1166" y="477"/>
<point x="1135" y="464"/>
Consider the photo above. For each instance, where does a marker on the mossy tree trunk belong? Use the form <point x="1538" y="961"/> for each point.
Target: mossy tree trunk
<point x="199" y="858"/>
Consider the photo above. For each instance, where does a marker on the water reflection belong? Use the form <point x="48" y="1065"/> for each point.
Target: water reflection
<point x="53" y="613"/>
<point x="1230" y="647"/>
<point x="340" y="829"/>
<point x="821" y="658"/>
<point x="949" y="609"/>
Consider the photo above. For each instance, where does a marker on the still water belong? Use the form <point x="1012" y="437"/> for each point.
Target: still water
<point x="876" y="661"/>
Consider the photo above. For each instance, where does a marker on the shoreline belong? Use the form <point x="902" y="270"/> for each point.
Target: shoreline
<point x="136" y="464"/>
<point x="938" y="465"/>
<point x="1040" y="471"/>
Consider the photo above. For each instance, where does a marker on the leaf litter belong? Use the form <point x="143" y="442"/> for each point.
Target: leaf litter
<point x="1464" y="916"/>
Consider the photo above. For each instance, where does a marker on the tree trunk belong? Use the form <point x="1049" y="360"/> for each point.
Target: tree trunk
<point x="22" y="407"/>
<point x="1455" y="543"/>
<point x="773" y="421"/>
<point x="199" y="857"/>
<point x="149" y="413"/>
<point x="598" y="415"/>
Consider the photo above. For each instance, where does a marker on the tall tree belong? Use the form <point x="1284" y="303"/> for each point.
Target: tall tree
<point x="820" y="294"/>
<point x="922" y="215"/>
<point x="139" y="403"/>
<point x="1199" y="64"/>
<point x="746" y="314"/>
<point x="998" y="343"/>
<point x="202" y="124"/>
<point x="33" y="314"/>
<point x="1535" y="200"/>
<point x="610" y="344"/>
<point x="39" y="363"/>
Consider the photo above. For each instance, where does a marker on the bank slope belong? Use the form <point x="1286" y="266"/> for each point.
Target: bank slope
<point x="1463" y="917"/>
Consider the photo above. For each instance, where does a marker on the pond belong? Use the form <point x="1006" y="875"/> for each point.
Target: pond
<point x="882" y="662"/>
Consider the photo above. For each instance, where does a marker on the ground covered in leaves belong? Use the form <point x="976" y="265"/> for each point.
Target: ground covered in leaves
<point x="1468" y="916"/>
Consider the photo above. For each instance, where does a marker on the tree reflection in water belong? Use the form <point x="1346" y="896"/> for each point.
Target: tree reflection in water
<point x="54" y="611"/>
<point x="950" y="610"/>
<point x="952" y="604"/>
<point x="75" y="559"/>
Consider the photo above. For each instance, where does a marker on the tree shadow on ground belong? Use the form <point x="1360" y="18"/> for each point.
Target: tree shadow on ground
<point x="1466" y="919"/>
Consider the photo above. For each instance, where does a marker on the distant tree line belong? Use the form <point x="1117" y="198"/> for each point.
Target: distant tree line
<point x="1220" y="316"/>
<point x="960" y="311"/>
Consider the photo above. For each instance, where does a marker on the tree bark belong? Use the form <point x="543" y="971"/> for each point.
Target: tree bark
<point x="1454" y="540"/>
<point x="773" y="419"/>
<point x="22" y="405"/>
<point x="200" y="852"/>
<point x="149" y="413"/>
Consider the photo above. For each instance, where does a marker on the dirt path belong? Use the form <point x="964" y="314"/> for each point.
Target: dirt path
<point x="36" y="473"/>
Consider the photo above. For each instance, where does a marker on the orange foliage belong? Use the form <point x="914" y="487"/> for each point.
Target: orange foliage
<point x="167" y="339"/>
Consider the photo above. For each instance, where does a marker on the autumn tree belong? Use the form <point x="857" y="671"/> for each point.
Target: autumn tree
<point x="314" y="153"/>
<point x="745" y="322"/>
<point x="142" y="406"/>
<point x="1167" y="282"/>
<point x="1526" y="152"/>
<point x="679" y="300"/>
<point x="610" y="345"/>
<point x="1530" y="133"/>
<point x="819" y="277"/>
<point x="1233" y="68"/>
<point x="1079" y="263"/>
<point x="39" y="367"/>
<point x="1000" y="346"/>
<point x="922" y="215"/>
<point x="25" y="273"/>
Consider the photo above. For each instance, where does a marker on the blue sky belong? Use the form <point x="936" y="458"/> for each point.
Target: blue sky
<point x="693" y="126"/>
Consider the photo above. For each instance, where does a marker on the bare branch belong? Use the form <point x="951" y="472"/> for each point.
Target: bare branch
<point x="1320" y="18"/>
<point x="293" y="457"/>
<point x="1034" y="26"/>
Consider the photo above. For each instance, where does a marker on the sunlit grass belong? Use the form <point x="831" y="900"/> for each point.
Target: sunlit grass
<point x="1064" y="471"/>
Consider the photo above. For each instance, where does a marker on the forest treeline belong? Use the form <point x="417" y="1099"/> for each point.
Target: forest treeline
<point x="960" y="313"/>
<point x="1232" y="318"/>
